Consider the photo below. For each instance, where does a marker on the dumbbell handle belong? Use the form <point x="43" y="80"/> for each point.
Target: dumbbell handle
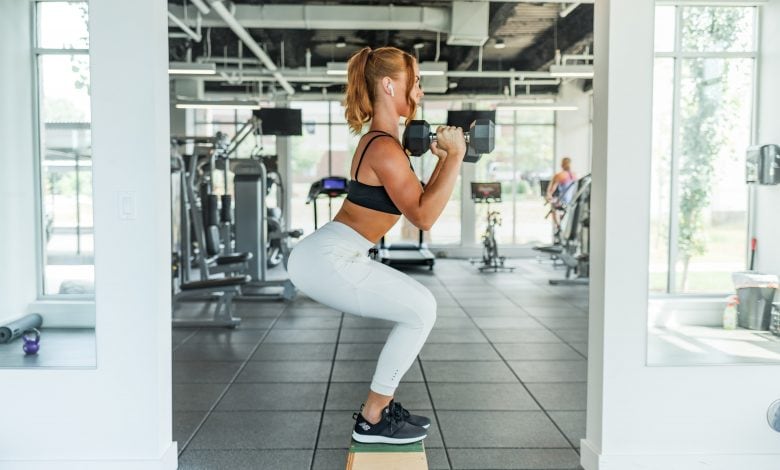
<point x="434" y="138"/>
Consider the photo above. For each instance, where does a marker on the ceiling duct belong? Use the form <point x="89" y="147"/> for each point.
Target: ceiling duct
<point x="433" y="77"/>
<point x="235" y="25"/>
<point x="469" y="25"/>
<point x="329" y="17"/>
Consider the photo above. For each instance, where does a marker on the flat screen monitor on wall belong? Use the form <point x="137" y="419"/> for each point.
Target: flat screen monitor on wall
<point x="280" y="121"/>
<point x="463" y="119"/>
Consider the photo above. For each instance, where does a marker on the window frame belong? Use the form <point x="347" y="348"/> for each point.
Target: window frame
<point x="38" y="131"/>
<point x="678" y="55"/>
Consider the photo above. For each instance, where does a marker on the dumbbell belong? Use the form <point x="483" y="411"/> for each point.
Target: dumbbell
<point x="480" y="138"/>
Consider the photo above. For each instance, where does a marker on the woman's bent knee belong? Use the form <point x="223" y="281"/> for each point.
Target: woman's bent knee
<point x="427" y="310"/>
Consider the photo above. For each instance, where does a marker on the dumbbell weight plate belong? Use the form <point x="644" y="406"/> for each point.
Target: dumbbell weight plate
<point x="416" y="139"/>
<point x="482" y="135"/>
<point x="472" y="156"/>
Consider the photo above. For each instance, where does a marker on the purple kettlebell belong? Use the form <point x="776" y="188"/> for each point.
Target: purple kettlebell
<point x="31" y="339"/>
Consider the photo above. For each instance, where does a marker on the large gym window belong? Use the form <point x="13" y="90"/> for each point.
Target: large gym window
<point x="704" y="82"/>
<point x="64" y="148"/>
<point x="524" y="155"/>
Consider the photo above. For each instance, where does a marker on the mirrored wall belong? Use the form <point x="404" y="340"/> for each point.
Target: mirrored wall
<point x="704" y="102"/>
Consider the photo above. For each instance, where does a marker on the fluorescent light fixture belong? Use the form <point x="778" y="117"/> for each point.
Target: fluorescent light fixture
<point x="221" y="104"/>
<point x="572" y="71"/>
<point x="433" y="69"/>
<point x="537" y="106"/>
<point x="336" y="68"/>
<point x="191" y="68"/>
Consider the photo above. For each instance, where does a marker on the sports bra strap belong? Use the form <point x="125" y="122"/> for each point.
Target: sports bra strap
<point x="381" y="134"/>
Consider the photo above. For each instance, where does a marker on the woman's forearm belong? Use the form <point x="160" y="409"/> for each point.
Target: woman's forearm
<point x="437" y="193"/>
<point x="436" y="171"/>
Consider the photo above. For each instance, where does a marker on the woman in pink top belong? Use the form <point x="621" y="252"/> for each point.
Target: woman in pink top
<point x="561" y="189"/>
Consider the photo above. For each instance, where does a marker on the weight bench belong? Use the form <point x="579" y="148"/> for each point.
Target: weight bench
<point x="226" y="288"/>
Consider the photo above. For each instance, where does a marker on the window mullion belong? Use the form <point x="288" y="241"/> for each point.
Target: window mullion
<point x="514" y="174"/>
<point x="674" y="196"/>
<point x="38" y="158"/>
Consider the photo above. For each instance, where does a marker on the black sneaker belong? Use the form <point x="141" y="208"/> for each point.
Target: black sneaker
<point x="391" y="429"/>
<point x="417" y="420"/>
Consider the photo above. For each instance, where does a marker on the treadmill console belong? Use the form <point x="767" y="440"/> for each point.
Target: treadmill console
<point x="331" y="186"/>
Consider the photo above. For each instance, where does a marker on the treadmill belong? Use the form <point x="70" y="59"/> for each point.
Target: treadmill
<point x="406" y="254"/>
<point x="331" y="187"/>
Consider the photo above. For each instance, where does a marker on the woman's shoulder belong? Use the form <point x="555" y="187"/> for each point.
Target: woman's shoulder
<point x="382" y="143"/>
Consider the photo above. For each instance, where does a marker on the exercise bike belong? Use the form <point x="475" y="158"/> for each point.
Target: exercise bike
<point x="491" y="260"/>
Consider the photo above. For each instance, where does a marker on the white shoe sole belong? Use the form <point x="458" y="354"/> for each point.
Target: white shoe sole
<point x="384" y="439"/>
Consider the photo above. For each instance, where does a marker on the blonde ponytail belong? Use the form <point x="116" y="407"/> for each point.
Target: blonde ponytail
<point x="357" y="104"/>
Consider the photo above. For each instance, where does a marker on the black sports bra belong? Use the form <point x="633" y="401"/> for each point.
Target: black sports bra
<point x="372" y="197"/>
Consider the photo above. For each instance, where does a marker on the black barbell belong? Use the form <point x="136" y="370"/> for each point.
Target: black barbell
<point x="480" y="138"/>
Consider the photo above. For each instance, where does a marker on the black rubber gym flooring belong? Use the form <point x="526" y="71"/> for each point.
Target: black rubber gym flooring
<point x="502" y="375"/>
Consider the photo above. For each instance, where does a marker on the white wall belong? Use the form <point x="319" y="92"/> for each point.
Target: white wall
<point x="17" y="192"/>
<point x="639" y="417"/>
<point x="572" y="128"/>
<point x="119" y="414"/>
<point x="767" y="202"/>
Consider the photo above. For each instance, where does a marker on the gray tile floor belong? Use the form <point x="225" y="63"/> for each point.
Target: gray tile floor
<point x="502" y="375"/>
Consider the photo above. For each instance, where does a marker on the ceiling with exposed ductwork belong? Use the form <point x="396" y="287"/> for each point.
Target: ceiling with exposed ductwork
<point x="301" y="37"/>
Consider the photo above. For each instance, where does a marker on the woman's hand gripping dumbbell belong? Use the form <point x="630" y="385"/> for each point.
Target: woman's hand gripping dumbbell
<point x="480" y="138"/>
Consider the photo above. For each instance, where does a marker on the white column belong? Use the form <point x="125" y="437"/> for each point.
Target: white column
<point x="572" y="129"/>
<point x="640" y="417"/>
<point x="183" y="120"/>
<point x="119" y="414"/>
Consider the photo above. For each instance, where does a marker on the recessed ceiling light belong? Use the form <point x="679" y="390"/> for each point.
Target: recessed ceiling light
<point x="418" y="44"/>
<point x="341" y="42"/>
<point x="500" y="44"/>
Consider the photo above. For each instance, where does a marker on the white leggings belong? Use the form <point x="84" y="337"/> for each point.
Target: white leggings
<point x="332" y="267"/>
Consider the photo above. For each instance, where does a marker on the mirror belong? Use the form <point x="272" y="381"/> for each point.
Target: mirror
<point x="50" y="322"/>
<point x="707" y="304"/>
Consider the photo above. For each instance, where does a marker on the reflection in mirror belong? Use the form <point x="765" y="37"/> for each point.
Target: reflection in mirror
<point x="62" y="333"/>
<point x="704" y="79"/>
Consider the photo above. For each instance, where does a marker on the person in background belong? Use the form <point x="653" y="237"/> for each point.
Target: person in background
<point x="561" y="190"/>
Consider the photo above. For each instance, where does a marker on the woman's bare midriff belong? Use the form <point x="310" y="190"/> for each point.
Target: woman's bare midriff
<point x="367" y="222"/>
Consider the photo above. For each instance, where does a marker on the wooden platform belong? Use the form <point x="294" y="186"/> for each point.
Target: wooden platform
<point x="387" y="457"/>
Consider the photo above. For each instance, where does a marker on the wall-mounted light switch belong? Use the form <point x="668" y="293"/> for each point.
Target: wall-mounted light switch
<point x="126" y="204"/>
